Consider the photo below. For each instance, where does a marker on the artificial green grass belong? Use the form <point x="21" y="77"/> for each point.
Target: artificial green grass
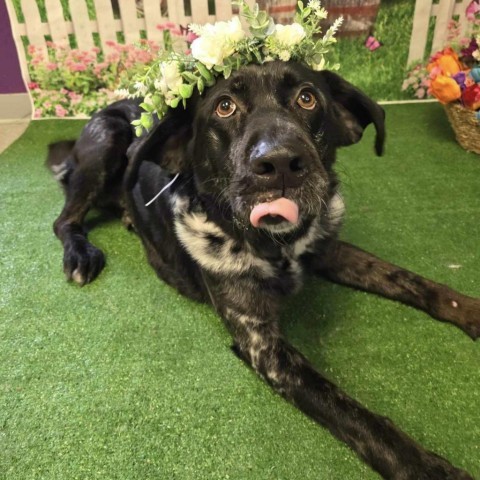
<point x="126" y="379"/>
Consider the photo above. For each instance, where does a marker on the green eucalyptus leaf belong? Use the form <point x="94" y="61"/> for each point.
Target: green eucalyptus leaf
<point x="204" y="71"/>
<point x="174" y="103"/>
<point x="189" y="76"/>
<point x="306" y="12"/>
<point x="227" y="71"/>
<point x="146" y="120"/>
<point x="200" y="85"/>
<point x="186" y="90"/>
<point x="147" y="107"/>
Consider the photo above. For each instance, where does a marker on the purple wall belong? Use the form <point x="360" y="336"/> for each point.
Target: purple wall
<point x="10" y="74"/>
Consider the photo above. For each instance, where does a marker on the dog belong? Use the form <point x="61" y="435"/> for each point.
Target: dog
<point x="236" y="202"/>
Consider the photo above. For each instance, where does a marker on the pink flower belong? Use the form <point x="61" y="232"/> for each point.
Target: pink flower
<point x="60" y="111"/>
<point x="33" y="85"/>
<point x="78" y="67"/>
<point x="472" y="9"/>
<point x="38" y="113"/>
<point x="167" y="26"/>
<point x="52" y="66"/>
<point x="420" y="93"/>
<point x="191" y="37"/>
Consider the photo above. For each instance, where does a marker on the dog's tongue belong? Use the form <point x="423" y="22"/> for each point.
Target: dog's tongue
<point x="281" y="207"/>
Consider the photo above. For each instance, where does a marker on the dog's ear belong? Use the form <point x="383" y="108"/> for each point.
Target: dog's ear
<point x="354" y="111"/>
<point x="165" y="144"/>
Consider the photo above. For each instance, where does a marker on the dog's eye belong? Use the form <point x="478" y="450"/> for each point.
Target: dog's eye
<point x="225" y="108"/>
<point x="307" y="100"/>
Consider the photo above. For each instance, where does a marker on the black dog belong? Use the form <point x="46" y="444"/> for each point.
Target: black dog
<point x="254" y="209"/>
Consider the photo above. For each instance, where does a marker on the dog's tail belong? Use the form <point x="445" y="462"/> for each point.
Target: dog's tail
<point x="60" y="160"/>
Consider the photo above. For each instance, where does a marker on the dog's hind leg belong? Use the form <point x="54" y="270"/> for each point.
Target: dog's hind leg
<point x="91" y="174"/>
<point x="349" y="265"/>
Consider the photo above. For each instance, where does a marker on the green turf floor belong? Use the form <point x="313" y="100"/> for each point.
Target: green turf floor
<point x="125" y="379"/>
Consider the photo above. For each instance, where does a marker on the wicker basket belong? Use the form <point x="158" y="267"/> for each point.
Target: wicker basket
<point x="465" y="125"/>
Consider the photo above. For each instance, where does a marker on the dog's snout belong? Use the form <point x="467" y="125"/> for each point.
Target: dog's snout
<point x="280" y="165"/>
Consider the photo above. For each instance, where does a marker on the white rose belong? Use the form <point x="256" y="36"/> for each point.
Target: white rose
<point x="232" y="30"/>
<point x="217" y="42"/>
<point x="289" y="35"/>
<point x="171" y="80"/>
<point x="207" y="50"/>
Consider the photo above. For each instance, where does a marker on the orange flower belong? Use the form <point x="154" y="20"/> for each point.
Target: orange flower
<point x="447" y="61"/>
<point x="445" y="89"/>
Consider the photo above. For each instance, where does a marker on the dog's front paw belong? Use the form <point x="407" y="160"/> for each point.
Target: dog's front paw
<point x="82" y="262"/>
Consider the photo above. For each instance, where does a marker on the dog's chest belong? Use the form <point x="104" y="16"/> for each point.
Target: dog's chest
<point x="218" y="253"/>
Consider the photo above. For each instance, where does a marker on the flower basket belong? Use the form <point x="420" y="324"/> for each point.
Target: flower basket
<point x="465" y="125"/>
<point x="452" y="76"/>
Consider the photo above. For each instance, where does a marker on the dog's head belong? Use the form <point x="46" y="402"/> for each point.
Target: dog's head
<point x="261" y="144"/>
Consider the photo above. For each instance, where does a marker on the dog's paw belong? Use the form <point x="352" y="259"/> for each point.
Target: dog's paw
<point x="464" y="312"/>
<point x="82" y="262"/>
<point x="472" y="317"/>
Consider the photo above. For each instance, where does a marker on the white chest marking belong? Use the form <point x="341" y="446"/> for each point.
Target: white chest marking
<point x="214" y="250"/>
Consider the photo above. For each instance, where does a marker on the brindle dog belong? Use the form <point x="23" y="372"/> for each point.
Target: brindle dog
<point x="254" y="211"/>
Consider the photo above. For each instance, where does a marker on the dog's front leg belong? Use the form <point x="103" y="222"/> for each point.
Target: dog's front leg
<point x="250" y="313"/>
<point x="82" y="261"/>
<point x="349" y="265"/>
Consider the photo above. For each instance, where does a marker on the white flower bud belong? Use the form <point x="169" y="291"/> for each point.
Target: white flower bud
<point x="288" y="35"/>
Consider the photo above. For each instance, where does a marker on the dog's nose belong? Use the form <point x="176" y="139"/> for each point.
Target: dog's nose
<point x="281" y="166"/>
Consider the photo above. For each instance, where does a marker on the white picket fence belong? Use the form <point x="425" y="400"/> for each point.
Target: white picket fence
<point x="443" y="11"/>
<point x="131" y="23"/>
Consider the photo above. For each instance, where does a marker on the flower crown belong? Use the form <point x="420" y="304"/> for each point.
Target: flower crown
<point x="223" y="47"/>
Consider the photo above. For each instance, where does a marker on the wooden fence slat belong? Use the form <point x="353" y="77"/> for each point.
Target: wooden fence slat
<point x="32" y="22"/>
<point x="176" y="13"/>
<point x="16" y="30"/>
<point x="56" y="22"/>
<point x="153" y="18"/>
<point x="105" y="23"/>
<point x="445" y="12"/>
<point x="223" y="10"/>
<point x="81" y="24"/>
<point x="421" y="21"/>
<point x="128" y="14"/>
<point x="199" y="11"/>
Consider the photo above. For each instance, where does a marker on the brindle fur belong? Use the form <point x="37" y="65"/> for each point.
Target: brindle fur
<point x="197" y="235"/>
